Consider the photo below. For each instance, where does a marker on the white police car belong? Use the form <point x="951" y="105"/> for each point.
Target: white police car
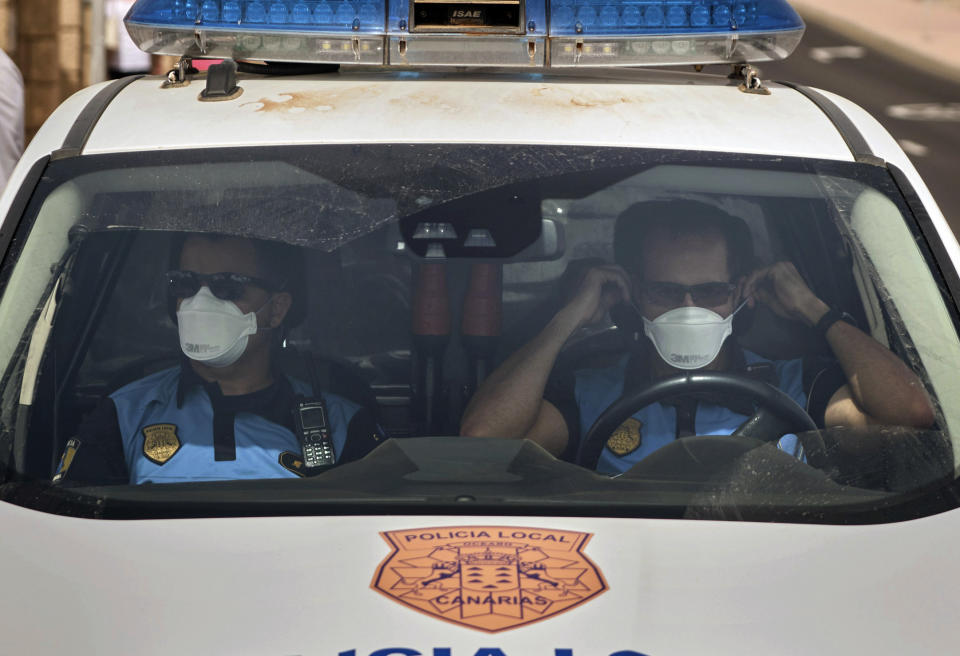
<point x="442" y="189"/>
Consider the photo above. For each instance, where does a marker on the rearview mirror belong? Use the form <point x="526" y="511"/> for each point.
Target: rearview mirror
<point x="503" y="222"/>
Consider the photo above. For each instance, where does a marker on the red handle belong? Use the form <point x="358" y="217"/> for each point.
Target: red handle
<point x="431" y="305"/>
<point x="483" y="307"/>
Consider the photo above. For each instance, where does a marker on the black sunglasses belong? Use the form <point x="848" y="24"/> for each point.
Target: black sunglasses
<point x="671" y="294"/>
<point x="226" y="286"/>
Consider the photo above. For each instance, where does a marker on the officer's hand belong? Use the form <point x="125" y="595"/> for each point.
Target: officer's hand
<point x="602" y="287"/>
<point x="781" y="288"/>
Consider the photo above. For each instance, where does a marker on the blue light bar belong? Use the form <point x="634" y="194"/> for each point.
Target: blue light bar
<point x="363" y="16"/>
<point x="329" y="31"/>
<point x="669" y="17"/>
<point x="667" y="32"/>
<point x="530" y="33"/>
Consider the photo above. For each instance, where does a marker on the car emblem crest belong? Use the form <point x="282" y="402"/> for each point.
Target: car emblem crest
<point x="490" y="578"/>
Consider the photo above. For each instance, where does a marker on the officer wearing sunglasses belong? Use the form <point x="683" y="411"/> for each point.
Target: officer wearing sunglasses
<point x="227" y="412"/>
<point x="686" y="268"/>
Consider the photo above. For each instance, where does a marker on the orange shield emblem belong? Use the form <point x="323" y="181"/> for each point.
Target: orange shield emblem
<point x="490" y="578"/>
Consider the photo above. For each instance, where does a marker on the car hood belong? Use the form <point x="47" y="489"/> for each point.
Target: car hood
<point x="363" y="586"/>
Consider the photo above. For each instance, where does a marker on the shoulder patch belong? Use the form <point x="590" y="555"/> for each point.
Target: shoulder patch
<point x="69" y="453"/>
<point x="160" y="442"/>
<point x="292" y="462"/>
<point x="627" y="438"/>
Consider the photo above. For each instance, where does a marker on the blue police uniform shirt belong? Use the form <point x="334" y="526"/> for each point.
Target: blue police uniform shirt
<point x="596" y="389"/>
<point x="154" y="426"/>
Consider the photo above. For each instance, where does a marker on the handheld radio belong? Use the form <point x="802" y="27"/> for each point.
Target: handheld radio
<point x="312" y="423"/>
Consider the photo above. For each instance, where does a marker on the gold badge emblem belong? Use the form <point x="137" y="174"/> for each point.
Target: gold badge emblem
<point x="626" y="439"/>
<point x="160" y="442"/>
<point x="489" y="578"/>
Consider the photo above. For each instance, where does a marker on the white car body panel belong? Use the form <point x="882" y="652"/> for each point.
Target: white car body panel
<point x="687" y="112"/>
<point x="301" y="585"/>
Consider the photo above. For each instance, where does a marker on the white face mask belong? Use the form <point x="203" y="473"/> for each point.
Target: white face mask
<point x="689" y="337"/>
<point x="213" y="331"/>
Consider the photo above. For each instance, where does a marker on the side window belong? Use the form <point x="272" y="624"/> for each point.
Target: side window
<point x="903" y="284"/>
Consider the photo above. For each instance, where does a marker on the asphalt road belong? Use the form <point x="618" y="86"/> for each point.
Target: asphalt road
<point x="922" y="111"/>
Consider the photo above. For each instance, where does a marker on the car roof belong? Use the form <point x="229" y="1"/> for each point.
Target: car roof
<point x="632" y="108"/>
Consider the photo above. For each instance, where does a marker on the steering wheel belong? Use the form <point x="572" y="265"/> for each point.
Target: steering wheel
<point x="777" y="414"/>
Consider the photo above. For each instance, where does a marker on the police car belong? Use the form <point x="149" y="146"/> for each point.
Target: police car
<point x="348" y="224"/>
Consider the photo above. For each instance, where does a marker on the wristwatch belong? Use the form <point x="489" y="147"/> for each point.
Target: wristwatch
<point x="832" y="316"/>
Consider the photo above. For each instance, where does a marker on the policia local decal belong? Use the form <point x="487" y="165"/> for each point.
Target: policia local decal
<point x="489" y="578"/>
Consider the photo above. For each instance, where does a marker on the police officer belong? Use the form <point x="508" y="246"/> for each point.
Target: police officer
<point x="686" y="266"/>
<point x="226" y="412"/>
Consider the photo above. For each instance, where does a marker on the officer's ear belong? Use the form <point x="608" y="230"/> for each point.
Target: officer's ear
<point x="278" y="308"/>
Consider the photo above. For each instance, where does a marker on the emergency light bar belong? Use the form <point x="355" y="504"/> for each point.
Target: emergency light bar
<point x="527" y="33"/>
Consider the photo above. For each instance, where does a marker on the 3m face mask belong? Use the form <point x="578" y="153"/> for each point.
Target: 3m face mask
<point x="689" y="337"/>
<point x="213" y="331"/>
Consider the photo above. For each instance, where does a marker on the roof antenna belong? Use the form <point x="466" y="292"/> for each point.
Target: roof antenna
<point x="221" y="82"/>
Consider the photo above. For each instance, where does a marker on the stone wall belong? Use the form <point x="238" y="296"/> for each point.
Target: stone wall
<point x="8" y="26"/>
<point x="49" y="41"/>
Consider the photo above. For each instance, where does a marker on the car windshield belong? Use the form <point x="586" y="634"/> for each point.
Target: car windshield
<point x="496" y="329"/>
